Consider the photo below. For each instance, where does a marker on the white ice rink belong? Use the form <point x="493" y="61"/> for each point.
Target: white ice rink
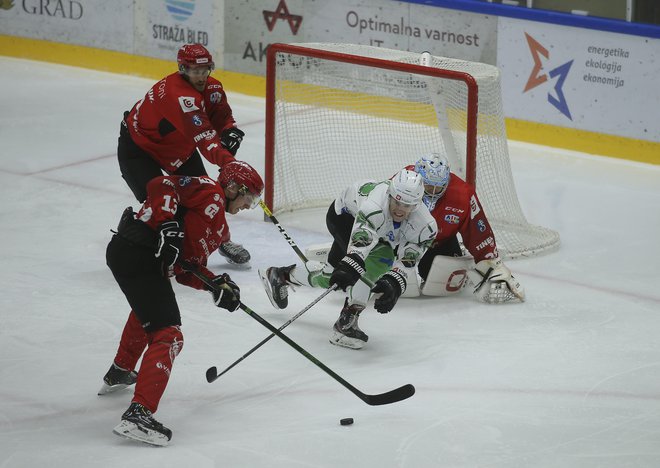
<point x="571" y="378"/>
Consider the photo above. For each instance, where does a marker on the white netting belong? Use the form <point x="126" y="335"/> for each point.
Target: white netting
<point x="335" y="122"/>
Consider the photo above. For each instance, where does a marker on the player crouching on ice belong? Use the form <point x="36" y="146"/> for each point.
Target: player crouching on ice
<point x="380" y="229"/>
<point x="183" y="218"/>
<point x="443" y="269"/>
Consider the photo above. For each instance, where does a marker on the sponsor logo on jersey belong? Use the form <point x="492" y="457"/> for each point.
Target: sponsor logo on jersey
<point x="452" y="219"/>
<point x="183" y="181"/>
<point x="197" y="120"/>
<point x="187" y="104"/>
<point x="474" y="207"/>
<point x="207" y="134"/>
<point x="215" y="97"/>
<point x="489" y="241"/>
<point x="481" y="225"/>
<point x="214" y="86"/>
<point x="453" y="209"/>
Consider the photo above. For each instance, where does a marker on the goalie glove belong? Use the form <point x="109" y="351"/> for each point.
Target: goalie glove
<point x="496" y="284"/>
<point x="390" y="286"/>
<point x="226" y="294"/>
<point x="170" y="240"/>
<point x="231" y="139"/>
<point x="348" y="271"/>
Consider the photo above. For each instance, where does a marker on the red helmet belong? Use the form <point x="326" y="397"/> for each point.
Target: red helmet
<point x="243" y="175"/>
<point x="193" y="55"/>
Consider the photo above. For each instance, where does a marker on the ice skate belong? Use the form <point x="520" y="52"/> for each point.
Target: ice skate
<point x="117" y="379"/>
<point x="138" y="423"/>
<point x="345" y="331"/>
<point x="276" y="281"/>
<point x="235" y="254"/>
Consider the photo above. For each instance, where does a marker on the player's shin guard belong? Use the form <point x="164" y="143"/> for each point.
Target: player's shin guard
<point x="132" y="343"/>
<point x="164" y="345"/>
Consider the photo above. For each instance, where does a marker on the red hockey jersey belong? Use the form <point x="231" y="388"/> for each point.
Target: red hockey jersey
<point x="459" y="211"/>
<point x="204" y="223"/>
<point x="174" y="118"/>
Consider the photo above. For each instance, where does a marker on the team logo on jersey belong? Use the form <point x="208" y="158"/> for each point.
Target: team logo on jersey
<point x="211" y="210"/>
<point x="197" y="120"/>
<point x="481" y="225"/>
<point x="452" y="219"/>
<point x="215" y="97"/>
<point x="187" y="104"/>
<point x="183" y="181"/>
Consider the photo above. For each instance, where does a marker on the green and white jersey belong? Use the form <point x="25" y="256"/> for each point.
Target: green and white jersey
<point x="369" y="203"/>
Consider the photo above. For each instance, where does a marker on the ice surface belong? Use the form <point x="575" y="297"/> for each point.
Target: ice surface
<point x="568" y="379"/>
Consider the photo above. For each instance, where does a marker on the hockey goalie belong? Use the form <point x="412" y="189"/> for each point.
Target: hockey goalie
<point x="443" y="269"/>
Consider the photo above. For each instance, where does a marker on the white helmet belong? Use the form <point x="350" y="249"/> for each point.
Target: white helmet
<point x="406" y="187"/>
<point x="434" y="169"/>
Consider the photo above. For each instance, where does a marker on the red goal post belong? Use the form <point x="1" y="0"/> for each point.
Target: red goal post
<point x="336" y="113"/>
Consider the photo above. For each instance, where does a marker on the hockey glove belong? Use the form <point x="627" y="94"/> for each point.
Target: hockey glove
<point x="226" y="293"/>
<point x="231" y="139"/>
<point x="390" y="286"/>
<point x="497" y="285"/>
<point x="170" y="240"/>
<point x="347" y="272"/>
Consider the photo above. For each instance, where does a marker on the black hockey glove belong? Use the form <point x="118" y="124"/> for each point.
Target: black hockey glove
<point x="390" y="286"/>
<point x="348" y="271"/>
<point x="231" y="139"/>
<point x="226" y="293"/>
<point x="170" y="240"/>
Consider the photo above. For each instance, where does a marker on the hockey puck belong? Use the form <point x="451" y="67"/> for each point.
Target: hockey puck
<point x="346" y="421"/>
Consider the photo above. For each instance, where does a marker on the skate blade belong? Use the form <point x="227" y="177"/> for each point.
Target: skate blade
<point x="268" y="289"/>
<point x="105" y="389"/>
<point x="344" y="341"/>
<point x="238" y="266"/>
<point x="131" y="431"/>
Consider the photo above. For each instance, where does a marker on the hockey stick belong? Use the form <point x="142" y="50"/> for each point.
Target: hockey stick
<point x="292" y="243"/>
<point x="398" y="394"/>
<point x="212" y="372"/>
<point x="286" y="235"/>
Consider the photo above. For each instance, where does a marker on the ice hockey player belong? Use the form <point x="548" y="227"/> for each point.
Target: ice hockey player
<point x="183" y="116"/>
<point x="183" y="217"/>
<point x="454" y="205"/>
<point x="379" y="230"/>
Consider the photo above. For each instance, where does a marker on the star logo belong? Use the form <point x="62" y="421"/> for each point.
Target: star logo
<point x="282" y="13"/>
<point x="537" y="78"/>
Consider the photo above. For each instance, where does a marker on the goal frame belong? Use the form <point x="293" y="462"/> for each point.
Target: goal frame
<point x="271" y="80"/>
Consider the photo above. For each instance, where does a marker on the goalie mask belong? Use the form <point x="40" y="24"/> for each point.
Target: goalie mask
<point x="245" y="178"/>
<point x="434" y="169"/>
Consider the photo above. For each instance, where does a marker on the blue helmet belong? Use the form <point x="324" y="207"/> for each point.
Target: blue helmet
<point x="434" y="169"/>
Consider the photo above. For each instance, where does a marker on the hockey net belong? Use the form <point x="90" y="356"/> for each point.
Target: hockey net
<point x="336" y="113"/>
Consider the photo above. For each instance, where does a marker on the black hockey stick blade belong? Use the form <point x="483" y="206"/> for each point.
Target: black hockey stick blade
<point x="212" y="374"/>
<point x="398" y="394"/>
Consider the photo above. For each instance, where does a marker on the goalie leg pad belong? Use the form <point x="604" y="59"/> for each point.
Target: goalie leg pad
<point x="447" y="276"/>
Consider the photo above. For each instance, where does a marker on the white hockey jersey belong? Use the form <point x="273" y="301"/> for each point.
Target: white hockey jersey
<point x="369" y="203"/>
